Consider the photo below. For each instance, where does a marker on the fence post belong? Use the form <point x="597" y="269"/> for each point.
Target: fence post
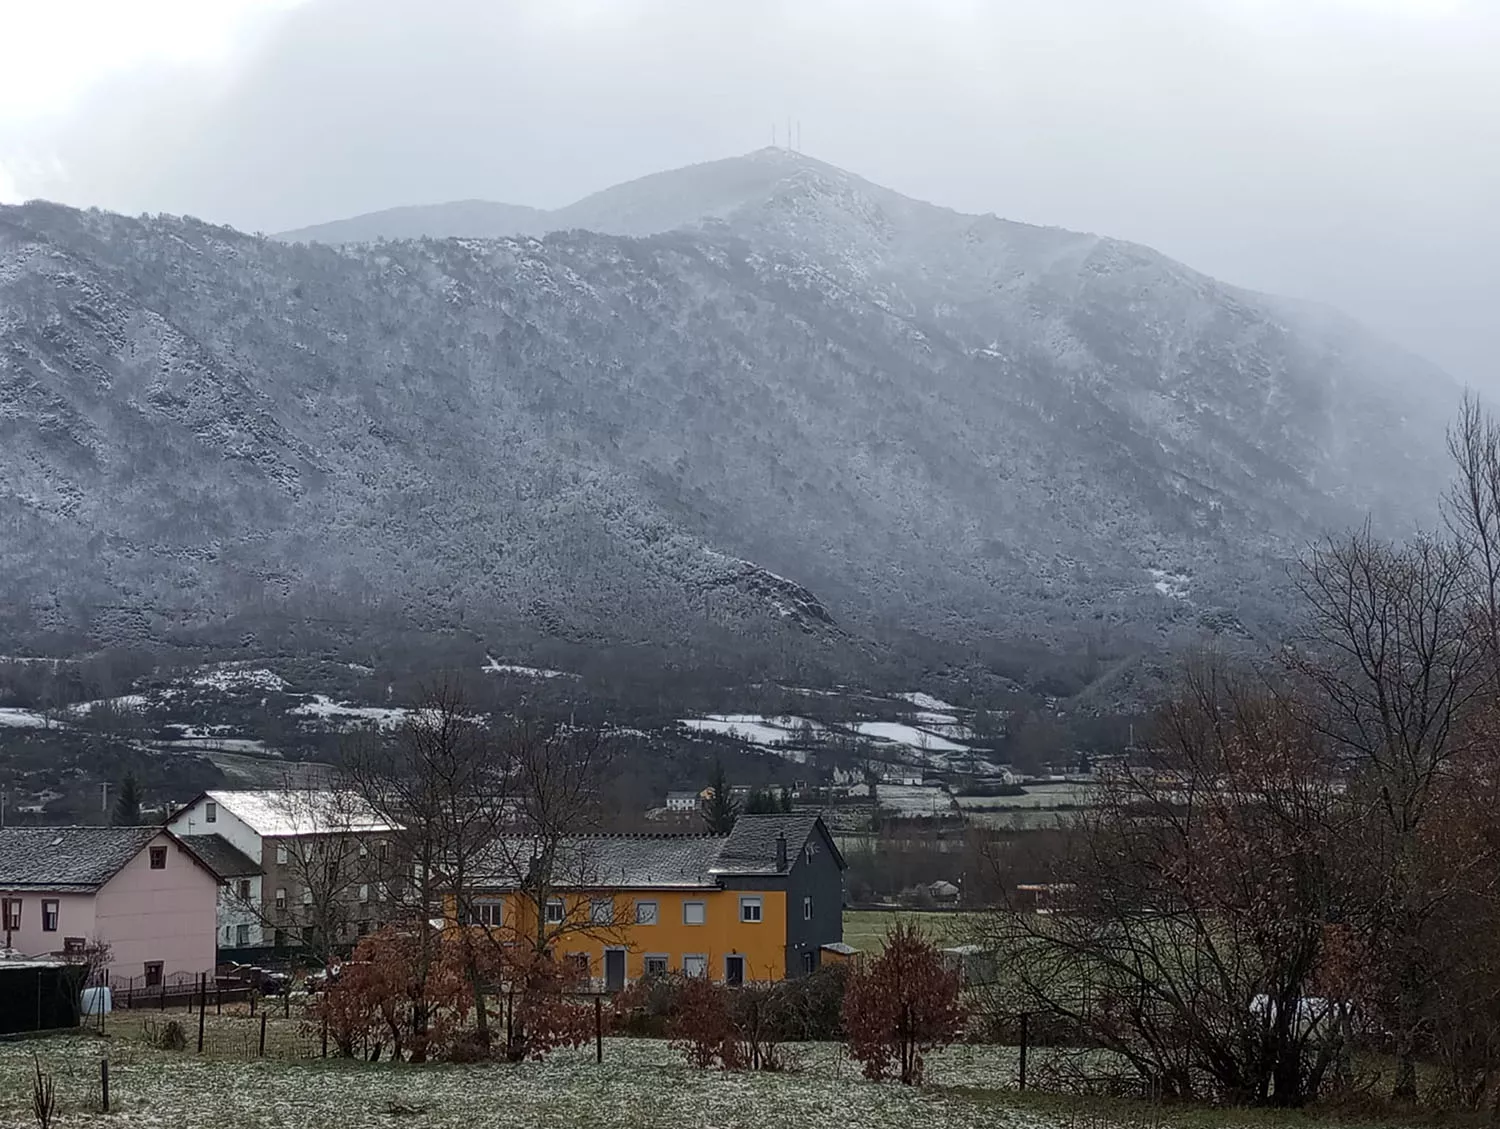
<point x="202" y="1006"/>
<point x="287" y="1001"/>
<point x="1025" y="1039"/>
<point x="262" y="1052"/>
<point x="325" y="1034"/>
<point x="253" y="995"/>
<point x="104" y="1083"/>
<point x="598" y="1029"/>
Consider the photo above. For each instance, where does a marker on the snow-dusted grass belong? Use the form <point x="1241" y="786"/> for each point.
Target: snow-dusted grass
<point x="641" y="1083"/>
<point x="768" y="732"/>
<point x="910" y="800"/>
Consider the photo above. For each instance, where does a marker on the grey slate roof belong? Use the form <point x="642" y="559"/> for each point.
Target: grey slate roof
<point x="68" y="858"/>
<point x="751" y="846"/>
<point x="221" y="856"/>
<point x="655" y="862"/>
<point x="615" y="861"/>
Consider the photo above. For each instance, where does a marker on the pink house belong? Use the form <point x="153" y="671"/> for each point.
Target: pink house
<point x="140" y="891"/>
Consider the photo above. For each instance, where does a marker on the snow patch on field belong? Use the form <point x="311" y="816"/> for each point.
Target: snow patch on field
<point x="128" y="703"/>
<point x="240" y="678"/>
<point x="911" y="799"/>
<point x="1172" y="585"/>
<point x="897" y="734"/>
<point x="325" y="708"/>
<point x="495" y="666"/>
<point x="11" y="718"/>
<point x="926" y="702"/>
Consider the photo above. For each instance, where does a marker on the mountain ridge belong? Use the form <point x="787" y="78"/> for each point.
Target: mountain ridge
<point x="814" y="417"/>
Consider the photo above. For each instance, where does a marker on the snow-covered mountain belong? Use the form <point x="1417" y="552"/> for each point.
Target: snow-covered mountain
<point x="758" y="405"/>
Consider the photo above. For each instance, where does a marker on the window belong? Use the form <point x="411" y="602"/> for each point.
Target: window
<point x="210" y="812"/>
<point x="655" y="964"/>
<point x="307" y="897"/>
<point x="808" y="852"/>
<point x="364" y="849"/>
<point x="11" y="911"/>
<point x="363" y="928"/>
<point x="646" y="914"/>
<point x="734" y="971"/>
<point x="281" y="897"/>
<point x="807" y="909"/>
<point x="578" y="964"/>
<point x="694" y="913"/>
<point x="485" y="912"/>
<point x="695" y="964"/>
<point x="383" y="891"/>
<point x="554" y="911"/>
<point x="750" y="909"/>
<point x="49" y="915"/>
<point x="227" y="934"/>
<point x="278" y="939"/>
<point x="242" y="935"/>
<point x="809" y="961"/>
<point x="364" y="893"/>
<point x="282" y="858"/>
<point x="153" y="974"/>
<point x="602" y="911"/>
<point x="380" y="849"/>
<point x="244" y="889"/>
<point x="158" y="858"/>
<point x="75" y="946"/>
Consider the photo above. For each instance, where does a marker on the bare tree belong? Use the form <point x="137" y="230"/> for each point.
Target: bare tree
<point x="440" y="783"/>
<point x="1393" y="668"/>
<point x="1200" y="893"/>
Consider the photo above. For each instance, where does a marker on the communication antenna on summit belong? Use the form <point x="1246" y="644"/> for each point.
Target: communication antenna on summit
<point x="799" y="135"/>
<point x="773" y="135"/>
<point x="789" y="132"/>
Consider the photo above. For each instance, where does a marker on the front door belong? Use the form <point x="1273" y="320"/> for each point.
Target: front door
<point x="734" y="970"/>
<point x="614" y="970"/>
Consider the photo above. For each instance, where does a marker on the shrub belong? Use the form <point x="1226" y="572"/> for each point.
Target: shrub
<point x="902" y="1003"/>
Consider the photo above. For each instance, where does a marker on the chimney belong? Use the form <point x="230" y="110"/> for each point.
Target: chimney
<point x="780" y="851"/>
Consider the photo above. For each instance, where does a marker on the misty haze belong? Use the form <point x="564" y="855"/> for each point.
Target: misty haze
<point x="903" y="553"/>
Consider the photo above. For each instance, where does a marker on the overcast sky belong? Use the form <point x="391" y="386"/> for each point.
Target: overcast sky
<point x="1342" y="150"/>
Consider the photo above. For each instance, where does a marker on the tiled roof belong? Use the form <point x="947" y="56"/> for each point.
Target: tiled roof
<point x="614" y="861"/>
<point x="655" y="861"/>
<point x="221" y="856"/>
<point x="751" y="846"/>
<point x="63" y="858"/>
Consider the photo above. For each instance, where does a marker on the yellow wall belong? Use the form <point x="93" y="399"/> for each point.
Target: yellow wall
<point x="762" y="943"/>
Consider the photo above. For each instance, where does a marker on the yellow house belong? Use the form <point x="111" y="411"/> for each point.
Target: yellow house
<point x="758" y="904"/>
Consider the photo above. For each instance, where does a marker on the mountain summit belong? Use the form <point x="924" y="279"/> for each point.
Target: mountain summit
<point x="758" y="406"/>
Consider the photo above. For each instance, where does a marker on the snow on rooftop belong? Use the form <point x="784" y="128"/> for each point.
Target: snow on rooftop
<point x="293" y="811"/>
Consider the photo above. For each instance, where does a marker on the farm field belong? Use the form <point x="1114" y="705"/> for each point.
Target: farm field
<point x="866" y="929"/>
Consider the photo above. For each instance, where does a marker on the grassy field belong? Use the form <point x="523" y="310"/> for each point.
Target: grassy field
<point x="641" y="1083"/>
<point x="866" y="929"/>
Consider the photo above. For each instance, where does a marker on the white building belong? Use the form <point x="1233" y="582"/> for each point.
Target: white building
<point x="683" y="801"/>
<point x="271" y="829"/>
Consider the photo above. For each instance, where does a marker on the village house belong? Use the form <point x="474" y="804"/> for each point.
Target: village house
<point x="138" y="897"/>
<point x="314" y="861"/>
<point x="684" y="801"/>
<point x="761" y="903"/>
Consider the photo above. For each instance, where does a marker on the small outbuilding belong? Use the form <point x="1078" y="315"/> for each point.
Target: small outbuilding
<point x="40" y="995"/>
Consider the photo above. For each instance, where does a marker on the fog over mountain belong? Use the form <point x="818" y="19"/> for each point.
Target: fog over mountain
<point x="759" y="405"/>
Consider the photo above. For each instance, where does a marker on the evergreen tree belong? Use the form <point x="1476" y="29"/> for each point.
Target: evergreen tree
<point x="786" y="800"/>
<point x="128" y="802"/>
<point x="721" y="811"/>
